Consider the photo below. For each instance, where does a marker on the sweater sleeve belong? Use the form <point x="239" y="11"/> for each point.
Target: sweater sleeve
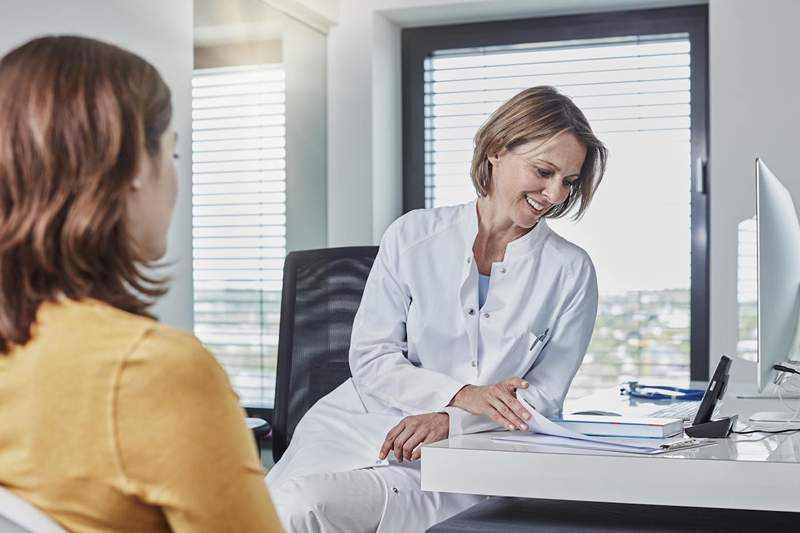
<point x="182" y="441"/>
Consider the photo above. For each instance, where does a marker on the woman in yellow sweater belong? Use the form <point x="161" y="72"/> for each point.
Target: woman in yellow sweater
<point x="109" y="421"/>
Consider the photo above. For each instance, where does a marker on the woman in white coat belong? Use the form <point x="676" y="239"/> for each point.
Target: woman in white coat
<point x="465" y="307"/>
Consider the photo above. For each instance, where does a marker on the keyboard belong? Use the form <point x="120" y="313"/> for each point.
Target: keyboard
<point x="685" y="410"/>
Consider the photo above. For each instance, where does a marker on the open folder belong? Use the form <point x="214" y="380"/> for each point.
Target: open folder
<point x="548" y="433"/>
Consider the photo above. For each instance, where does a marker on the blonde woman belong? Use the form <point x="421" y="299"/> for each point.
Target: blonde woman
<point x="464" y="307"/>
<point x="109" y="421"/>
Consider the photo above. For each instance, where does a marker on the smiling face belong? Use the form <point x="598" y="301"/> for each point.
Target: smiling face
<point x="531" y="178"/>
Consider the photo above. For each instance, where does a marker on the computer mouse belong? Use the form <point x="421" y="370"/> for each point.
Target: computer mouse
<point x="597" y="413"/>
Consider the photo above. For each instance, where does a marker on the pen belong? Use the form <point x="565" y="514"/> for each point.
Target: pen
<point x="688" y="443"/>
<point x="539" y="339"/>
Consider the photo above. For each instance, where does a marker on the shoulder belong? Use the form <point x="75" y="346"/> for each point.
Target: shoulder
<point x="136" y="349"/>
<point x="421" y="225"/>
<point x="574" y="259"/>
<point x="146" y="346"/>
<point x="172" y="343"/>
<point x="176" y="356"/>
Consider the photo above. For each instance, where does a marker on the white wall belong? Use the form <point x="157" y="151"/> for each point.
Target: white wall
<point x="350" y="154"/>
<point x="755" y="112"/>
<point x="161" y="32"/>
<point x="387" y="125"/>
<point x="304" y="50"/>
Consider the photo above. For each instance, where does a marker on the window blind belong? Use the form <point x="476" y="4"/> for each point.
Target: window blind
<point x="239" y="220"/>
<point x="635" y="92"/>
<point x="628" y="84"/>
<point x="747" y="290"/>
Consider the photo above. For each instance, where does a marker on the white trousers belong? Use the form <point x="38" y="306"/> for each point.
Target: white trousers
<point x="337" y="502"/>
<point x="384" y="498"/>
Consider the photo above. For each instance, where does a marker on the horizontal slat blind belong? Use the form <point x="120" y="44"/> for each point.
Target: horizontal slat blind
<point x="635" y="91"/>
<point x="747" y="290"/>
<point x="632" y="84"/>
<point x="239" y="220"/>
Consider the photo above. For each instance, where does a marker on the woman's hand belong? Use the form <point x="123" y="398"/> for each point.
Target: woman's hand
<point x="497" y="401"/>
<point x="407" y="437"/>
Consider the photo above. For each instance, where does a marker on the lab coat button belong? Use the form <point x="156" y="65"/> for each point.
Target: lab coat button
<point x="474" y="364"/>
<point x="469" y="260"/>
<point x="485" y="315"/>
<point x="470" y="311"/>
<point x="503" y="270"/>
<point x="394" y="489"/>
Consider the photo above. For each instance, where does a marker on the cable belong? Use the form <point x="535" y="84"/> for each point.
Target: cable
<point x="783" y="385"/>
<point x="782" y="368"/>
<point x="765" y="431"/>
<point x="758" y="439"/>
<point x="780" y="397"/>
<point x="789" y="407"/>
<point x="788" y="370"/>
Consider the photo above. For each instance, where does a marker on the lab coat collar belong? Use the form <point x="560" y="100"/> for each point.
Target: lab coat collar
<point x="517" y="248"/>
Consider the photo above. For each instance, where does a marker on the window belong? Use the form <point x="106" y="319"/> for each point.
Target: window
<point x="239" y="220"/>
<point x="747" y="290"/>
<point x="639" y="78"/>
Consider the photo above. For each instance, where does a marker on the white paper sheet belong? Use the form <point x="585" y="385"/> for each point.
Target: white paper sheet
<point x="545" y="432"/>
<point x="565" y="442"/>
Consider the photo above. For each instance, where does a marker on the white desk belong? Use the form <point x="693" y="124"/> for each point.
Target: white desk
<point x="742" y="472"/>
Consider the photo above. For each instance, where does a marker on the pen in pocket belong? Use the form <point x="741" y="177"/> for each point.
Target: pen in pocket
<point x="539" y="338"/>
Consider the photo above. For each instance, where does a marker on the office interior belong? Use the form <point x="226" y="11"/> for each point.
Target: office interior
<point x="353" y="98"/>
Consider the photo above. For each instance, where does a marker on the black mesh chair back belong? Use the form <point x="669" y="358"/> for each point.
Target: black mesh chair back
<point x="321" y="294"/>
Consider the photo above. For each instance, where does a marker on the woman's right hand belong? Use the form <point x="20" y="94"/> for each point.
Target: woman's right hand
<point x="496" y="401"/>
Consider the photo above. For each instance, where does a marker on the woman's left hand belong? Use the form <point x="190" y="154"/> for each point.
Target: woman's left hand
<point x="407" y="437"/>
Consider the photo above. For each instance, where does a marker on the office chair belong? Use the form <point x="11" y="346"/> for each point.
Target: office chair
<point x="321" y="294"/>
<point x="19" y="516"/>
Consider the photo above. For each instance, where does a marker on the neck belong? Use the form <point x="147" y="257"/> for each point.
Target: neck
<point x="495" y="231"/>
<point x="495" y="225"/>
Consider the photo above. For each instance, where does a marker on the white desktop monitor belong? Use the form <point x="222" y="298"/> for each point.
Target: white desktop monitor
<point x="778" y="237"/>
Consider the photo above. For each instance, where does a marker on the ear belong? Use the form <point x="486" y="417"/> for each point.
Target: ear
<point x="494" y="156"/>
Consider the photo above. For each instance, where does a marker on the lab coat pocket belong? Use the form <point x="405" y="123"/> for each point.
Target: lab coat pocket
<point x="534" y="345"/>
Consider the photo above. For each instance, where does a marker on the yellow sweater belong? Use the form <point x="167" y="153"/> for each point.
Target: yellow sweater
<point x="113" y="422"/>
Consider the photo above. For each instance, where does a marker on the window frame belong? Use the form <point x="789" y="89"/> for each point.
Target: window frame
<point x="419" y="43"/>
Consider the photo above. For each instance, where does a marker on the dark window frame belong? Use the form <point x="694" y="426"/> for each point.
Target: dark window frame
<point x="419" y="43"/>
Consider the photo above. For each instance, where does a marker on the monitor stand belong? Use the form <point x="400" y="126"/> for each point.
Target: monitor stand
<point x="771" y="393"/>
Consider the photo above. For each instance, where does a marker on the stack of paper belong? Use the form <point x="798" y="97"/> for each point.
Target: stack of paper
<point x="621" y="426"/>
<point x="545" y="432"/>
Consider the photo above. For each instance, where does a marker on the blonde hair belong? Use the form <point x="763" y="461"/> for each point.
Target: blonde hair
<point x="540" y="113"/>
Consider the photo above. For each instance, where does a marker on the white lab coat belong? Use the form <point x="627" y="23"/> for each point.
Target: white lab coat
<point x="419" y="336"/>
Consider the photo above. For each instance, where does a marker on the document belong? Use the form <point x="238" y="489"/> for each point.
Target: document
<point x="548" y="433"/>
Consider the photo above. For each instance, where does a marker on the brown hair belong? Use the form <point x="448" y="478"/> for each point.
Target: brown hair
<point x="540" y="113"/>
<point x="77" y="116"/>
